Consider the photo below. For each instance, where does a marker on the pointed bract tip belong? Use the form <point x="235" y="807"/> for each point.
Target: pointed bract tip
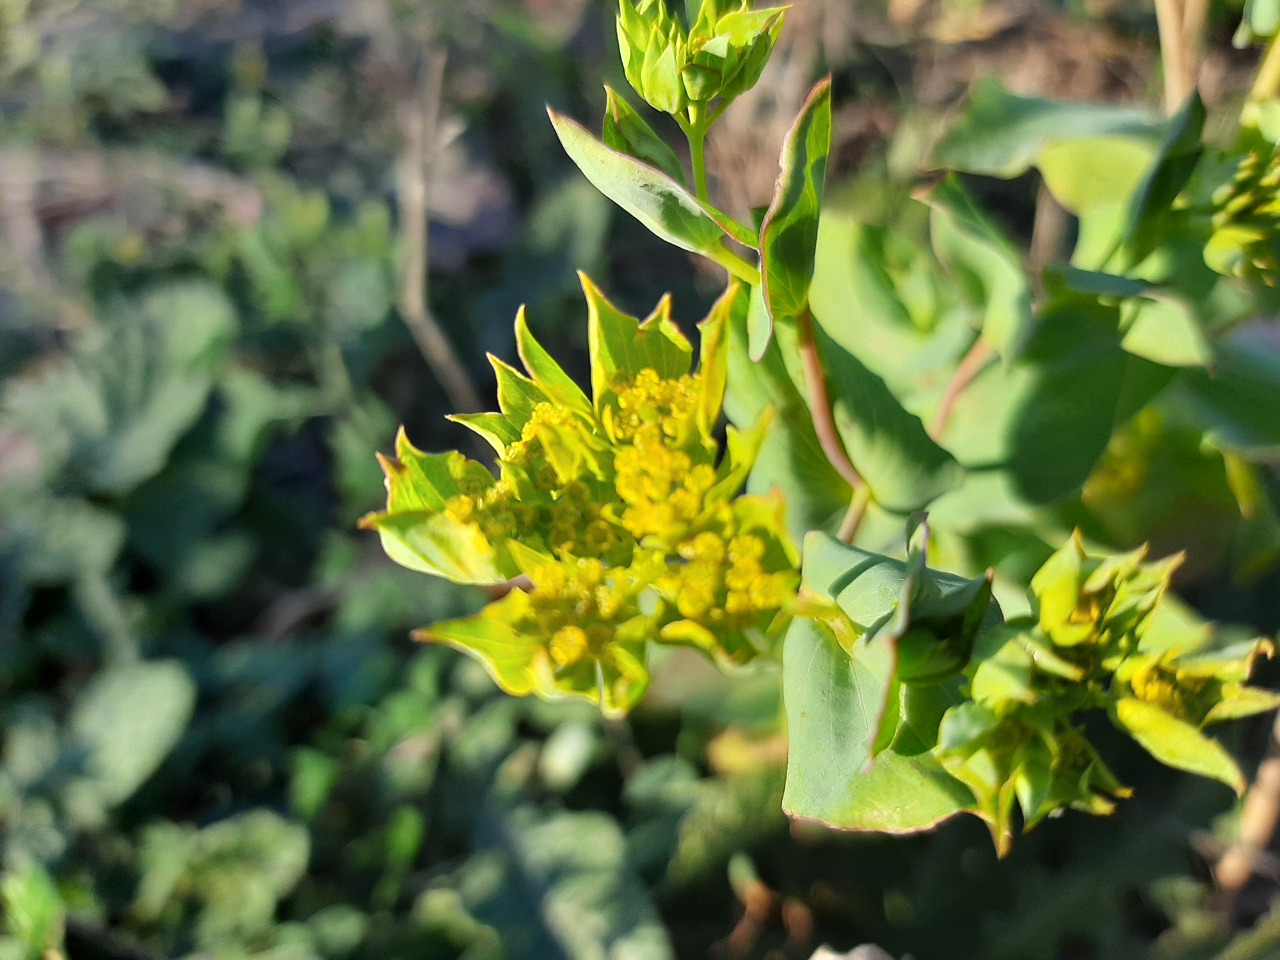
<point x="403" y="445"/>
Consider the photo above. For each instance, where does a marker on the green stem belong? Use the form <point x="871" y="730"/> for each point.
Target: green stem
<point x="738" y="267"/>
<point x="854" y="516"/>
<point x="695" y="130"/>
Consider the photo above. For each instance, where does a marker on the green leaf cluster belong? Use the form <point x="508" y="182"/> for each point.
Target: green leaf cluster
<point x="938" y="697"/>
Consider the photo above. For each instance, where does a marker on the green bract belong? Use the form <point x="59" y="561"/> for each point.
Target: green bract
<point x="618" y="509"/>
<point x="675" y="66"/>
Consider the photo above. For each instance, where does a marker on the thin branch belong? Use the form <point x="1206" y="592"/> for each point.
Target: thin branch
<point x="854" y="516"/>
<point x="291" y="610"/>
<point x="824" y="423"/>
<point x="1258" y="821"/>
<point x="1195" y="15"/>
<point x="1047" y="230"/>
<point x="419" y="118"/>
<point x="969" y="367"/>
<point x="1178" y="81"/>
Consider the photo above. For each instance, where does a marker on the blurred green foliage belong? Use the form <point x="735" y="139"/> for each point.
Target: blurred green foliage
<point x="217" y="738"/>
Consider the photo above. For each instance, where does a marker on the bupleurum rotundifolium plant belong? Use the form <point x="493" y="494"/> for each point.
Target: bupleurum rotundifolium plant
<point x="619" y="509"/>
<point x="619" y="524"/>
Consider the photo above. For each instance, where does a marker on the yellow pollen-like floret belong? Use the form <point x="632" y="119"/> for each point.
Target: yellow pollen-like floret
<point x="568" y="646"/>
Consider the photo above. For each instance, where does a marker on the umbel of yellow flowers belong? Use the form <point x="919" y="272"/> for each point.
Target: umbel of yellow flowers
<point x="619" y="509"/>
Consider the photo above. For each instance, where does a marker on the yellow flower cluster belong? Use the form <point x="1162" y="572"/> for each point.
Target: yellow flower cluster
<point x="1177" y="692"/>
<point x="723" y="583"/>
<point x="661" y="488"/>
<point x="577" y="605"/>
<point x="496" y="511"/>
<point x="1246" y="216"/>
<point x="650" y="401"/>
<point x="564" y="514"/>
<point x="546" y="421"/>
<point x="617" y="507"/>
<point x="591" y="629"/>
<point x="575" y="526"/>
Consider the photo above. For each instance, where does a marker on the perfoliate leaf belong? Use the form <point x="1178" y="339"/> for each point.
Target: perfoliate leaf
<point x="1165" y="179"/>
<point x="437" y="544"/>
<point x="517" y="394"/>
<point x="832" y="703"/>
<point x="1239" y="701"/>
<point x="1006" y="674"/>
<point x="417" y="529"/>
<point x="1177" y="743"/>
<point x="491" y="636"/>
<point x="605" y="666"/>
<point x="713" y="354"/>
<point x="1165" y="330"/>
<point x="858" y="728"/>
<point x="498" y="431"/>
<point x="1028" y="416"/>
<point x="1237" y="405"/>
<point x="789" y="231"/>
<point x="1094" y="172"/>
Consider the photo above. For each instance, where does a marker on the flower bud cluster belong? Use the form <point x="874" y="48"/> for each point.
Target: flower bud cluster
<point x="533" y="503"/>
<point x="1016" y="743"/>
<point x="1246" y="219"/>
<point x="1094" y="611"/>
<point x="678" y="68"/>
<point x="1096" y="641"/>
<point x="590" y="618"/>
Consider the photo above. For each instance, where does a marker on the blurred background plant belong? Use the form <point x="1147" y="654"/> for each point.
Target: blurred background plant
<point x="240" y="241"/>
